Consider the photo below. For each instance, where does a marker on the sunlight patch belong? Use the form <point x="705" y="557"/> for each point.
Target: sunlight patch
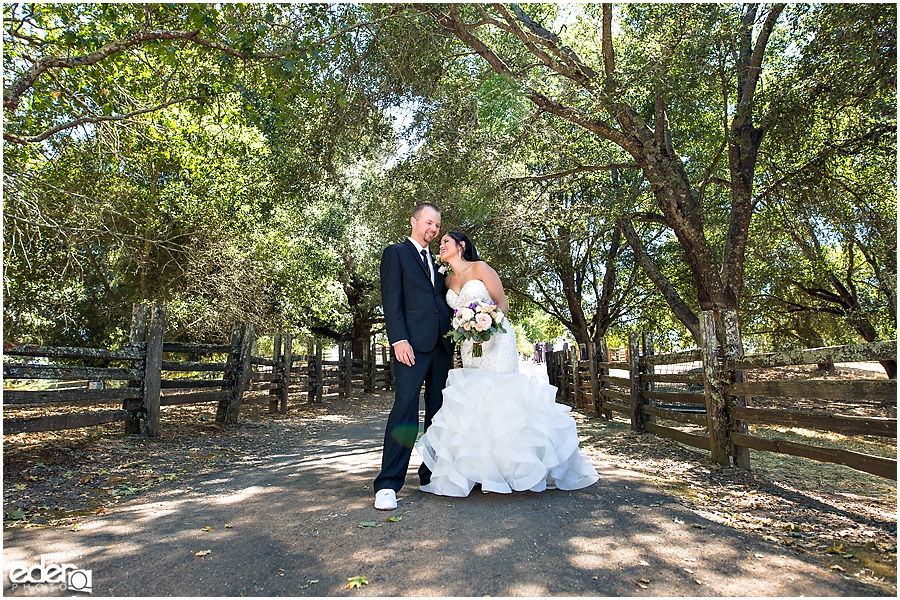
<point x="488" y="548"/>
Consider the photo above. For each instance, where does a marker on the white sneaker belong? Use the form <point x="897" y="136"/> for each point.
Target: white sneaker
<point x="386" y="499"/>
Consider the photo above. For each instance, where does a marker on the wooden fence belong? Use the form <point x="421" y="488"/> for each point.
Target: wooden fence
<point x="149" y="374"/>
<point x="707" y="401"/>
<point x="699" y="397"/>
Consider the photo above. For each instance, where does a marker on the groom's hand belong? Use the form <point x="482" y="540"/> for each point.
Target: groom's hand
<point x="404" y="353"/>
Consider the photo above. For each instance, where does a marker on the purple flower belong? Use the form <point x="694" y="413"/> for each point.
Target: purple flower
<point x="473" y="306"/>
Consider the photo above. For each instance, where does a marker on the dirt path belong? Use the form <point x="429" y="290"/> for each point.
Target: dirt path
<point x="289" y="513"/>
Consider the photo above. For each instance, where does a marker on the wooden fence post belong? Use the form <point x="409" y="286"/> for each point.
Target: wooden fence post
<point x="603" y="357"/>
<point x="287" y="360"/>
<point x="340" y="370"/>
<point x="320" y="378"/>
<point x="276" y="360"/>
<point x="716" y="409"/>
<point x="370" y="368"/>
<point x="348" y="367"/>
<point x="735" y="349"/>
<point x="152" y="369"/>
<point x="637" y="393"/>
<point x="388" y="368"/>
<point x="648" y="350"/>
<point x="576" y="376"/>
<point x="551" y="376"/>
<point x="311" y="371"/>
<point x="231" y="365"/>
<point x="563" y="370"/>
<point x="137" y="339"/>
<point x="562" y="376"/>
<point x="228" y="414"/>
<point x="595" y="376"/>
<point x="559" y="365"/>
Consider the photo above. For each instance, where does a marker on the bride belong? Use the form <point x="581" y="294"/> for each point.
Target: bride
<point x="497" y="427"/>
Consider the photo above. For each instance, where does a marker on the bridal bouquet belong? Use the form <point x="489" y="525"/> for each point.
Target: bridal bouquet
<point x="478" y="322"/>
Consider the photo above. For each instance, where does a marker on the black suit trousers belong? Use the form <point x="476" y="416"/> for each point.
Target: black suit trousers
<point x="403" y="422"/>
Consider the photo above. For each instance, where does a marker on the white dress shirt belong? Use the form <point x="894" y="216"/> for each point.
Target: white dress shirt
<point x="419" y="249"/>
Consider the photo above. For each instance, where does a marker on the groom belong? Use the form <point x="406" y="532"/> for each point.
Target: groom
<point x="416" y="316"/>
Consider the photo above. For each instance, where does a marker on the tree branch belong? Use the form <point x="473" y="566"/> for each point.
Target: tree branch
<point x="682" y="311"/>
<point x="598" y="126"/>
<point x="609" y="57"/>
<point x="12" y="96"/>
<point x="573" y="171"/>
<point x="753" y="69"/>
<point x="576" y="69"/>
<point x="94" y="119"/>
<point x="755" y="66"/>
<point x="649" y="217"/>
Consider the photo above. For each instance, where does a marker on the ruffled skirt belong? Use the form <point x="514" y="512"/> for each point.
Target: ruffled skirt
<point x="504" y="431"/>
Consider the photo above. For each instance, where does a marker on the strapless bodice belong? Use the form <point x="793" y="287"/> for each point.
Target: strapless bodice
<point x="500" y="353"/>
<point x="473" y="290"/>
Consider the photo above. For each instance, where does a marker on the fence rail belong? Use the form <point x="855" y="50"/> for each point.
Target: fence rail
<point x="153" y="374"/>
<point x="711" y="403"/>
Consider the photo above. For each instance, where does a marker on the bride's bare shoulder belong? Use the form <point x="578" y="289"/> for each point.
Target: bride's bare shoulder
<point x="483" y="271"/>
<point x="481" y="267"/>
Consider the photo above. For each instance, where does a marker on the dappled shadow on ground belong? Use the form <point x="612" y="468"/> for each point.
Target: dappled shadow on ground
<point x="844" y="519"/>
<point x="291" y="514"/>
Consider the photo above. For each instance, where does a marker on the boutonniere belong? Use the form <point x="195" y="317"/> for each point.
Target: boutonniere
<point x="442" y="269"/>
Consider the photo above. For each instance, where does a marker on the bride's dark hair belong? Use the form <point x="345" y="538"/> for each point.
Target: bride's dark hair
<point x="469" y="252"/>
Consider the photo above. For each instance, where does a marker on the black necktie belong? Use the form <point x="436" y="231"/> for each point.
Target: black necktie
<point x="425" y="262"/>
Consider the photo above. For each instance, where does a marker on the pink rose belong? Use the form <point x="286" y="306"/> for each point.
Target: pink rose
<point x="484" y="320"/>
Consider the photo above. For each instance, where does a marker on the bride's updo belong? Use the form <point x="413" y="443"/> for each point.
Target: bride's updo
<point x="469" y="252"/>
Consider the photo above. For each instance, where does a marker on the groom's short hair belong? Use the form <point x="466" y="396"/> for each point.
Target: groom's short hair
<point x="419" y="207"/>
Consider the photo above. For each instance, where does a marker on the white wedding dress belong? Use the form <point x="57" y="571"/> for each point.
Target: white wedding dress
<point x="498" y="427"/>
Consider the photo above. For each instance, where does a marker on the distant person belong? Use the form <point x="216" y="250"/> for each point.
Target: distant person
<point x="565" y="345"/>
<point x="537" y="351"/>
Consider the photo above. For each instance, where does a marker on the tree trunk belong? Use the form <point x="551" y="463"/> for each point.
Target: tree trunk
<point x="362" y="333"/>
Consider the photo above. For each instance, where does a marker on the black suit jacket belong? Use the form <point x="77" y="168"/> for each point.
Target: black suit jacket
<point x="414" y="309"/>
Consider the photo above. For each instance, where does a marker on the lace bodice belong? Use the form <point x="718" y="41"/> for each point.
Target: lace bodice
<point x="500" y="353"/>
